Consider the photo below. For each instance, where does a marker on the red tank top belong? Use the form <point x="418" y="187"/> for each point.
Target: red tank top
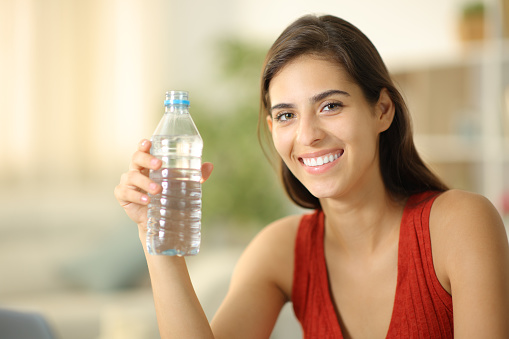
<point x="422" y="308"/>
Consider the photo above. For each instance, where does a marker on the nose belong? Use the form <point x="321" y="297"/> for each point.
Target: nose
<point x="309" y="131"/>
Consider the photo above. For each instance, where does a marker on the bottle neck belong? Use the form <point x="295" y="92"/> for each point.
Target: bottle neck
<point x="176" y="109"/>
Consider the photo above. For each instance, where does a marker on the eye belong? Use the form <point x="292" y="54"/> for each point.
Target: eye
<point x="284" y="116"/>
<point x="333" y="106"/>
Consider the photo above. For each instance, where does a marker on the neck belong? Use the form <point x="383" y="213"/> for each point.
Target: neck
<point x="361" y="226"/>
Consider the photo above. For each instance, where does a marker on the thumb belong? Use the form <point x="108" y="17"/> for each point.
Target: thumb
<point x="206" y="170"/>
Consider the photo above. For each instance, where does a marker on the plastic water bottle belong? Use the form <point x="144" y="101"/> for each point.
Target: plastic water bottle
<point x="174" y="215"/>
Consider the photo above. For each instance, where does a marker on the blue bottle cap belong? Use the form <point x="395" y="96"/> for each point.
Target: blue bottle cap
<point x="176" y="102"/>
<point x="177" y="98"/>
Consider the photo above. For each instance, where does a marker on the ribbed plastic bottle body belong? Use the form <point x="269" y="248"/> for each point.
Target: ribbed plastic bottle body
<point x="174" y="215"/>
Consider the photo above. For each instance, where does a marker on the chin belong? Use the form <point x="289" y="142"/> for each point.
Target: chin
<point x="322" y="192"/>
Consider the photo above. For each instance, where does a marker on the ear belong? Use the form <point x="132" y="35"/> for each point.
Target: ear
<point x="384" y="110"/>
<point x="269" y="122"/>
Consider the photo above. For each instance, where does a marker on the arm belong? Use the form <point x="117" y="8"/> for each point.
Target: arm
<point x="472" y="257"/>
<point x="178" y="310"/>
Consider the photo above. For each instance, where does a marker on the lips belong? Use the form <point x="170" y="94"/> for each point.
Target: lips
<point x="314" y="161"/>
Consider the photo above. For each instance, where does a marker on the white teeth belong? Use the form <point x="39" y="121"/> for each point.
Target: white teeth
<point x="320" y="160"/>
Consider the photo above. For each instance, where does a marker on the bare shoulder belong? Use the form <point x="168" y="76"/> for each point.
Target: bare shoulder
<point x="261" y="283"/>
<point x="465" y="215"/>
<point x="284" y="229"/>
<point x="471" y="258"/>
<point x="457" y="203"/>
<point x="470" y="254"/>
<point x="268" y="259"/>
<point x="275" y="240"/>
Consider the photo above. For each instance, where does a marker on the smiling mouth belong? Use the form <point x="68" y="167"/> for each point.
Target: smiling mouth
<point x="319" y="161"/>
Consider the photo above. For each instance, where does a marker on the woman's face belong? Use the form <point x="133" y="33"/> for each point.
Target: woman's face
<point x="324" y="129"/>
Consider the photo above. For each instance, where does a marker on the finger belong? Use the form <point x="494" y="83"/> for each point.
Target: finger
<point x="134" y="188"/>
<point x="127" y="195"/>
<point x="206" y="170"/>
<point x="144" y="145"/>
<point x="142" y="160"/>
<point x="138" y="181"/>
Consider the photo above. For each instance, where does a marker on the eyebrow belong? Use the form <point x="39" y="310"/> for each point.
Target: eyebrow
<point x="323" y="95"/>
<point x="314" y="99"/>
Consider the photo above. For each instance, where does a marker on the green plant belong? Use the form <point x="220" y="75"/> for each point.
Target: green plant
<point x="473" y="9"/>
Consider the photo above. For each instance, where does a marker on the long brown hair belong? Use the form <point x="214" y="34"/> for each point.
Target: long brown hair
<point x="403" y="171"/>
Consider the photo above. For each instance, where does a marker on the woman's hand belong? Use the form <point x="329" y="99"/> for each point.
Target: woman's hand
<point x="132" y="191"/>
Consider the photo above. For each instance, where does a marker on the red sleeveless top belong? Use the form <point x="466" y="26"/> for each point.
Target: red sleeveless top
<point x="422" y="308"/>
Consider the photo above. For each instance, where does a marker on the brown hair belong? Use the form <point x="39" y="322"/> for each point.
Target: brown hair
<point x="403" y="171"/>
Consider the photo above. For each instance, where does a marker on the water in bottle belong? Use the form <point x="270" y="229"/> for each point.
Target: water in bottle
<point x="174" y="215"/>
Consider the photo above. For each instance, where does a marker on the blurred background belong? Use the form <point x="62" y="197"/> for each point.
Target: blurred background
<point x="81" y="82"/>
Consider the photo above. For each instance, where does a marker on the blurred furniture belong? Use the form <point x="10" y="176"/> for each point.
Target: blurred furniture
<point x="23" y="325"/>
<point x="459" y="106"/>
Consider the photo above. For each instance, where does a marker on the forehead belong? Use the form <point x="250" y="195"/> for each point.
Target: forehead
<point x="306" y="75"/>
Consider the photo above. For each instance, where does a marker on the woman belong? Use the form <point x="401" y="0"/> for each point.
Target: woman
<point x="388" y="251"/>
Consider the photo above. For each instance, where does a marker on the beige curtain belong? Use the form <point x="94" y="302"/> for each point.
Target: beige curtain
<point x="80" y="83"/>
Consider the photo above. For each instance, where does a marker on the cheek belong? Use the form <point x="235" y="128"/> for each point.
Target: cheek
<point x="362" y="131"/>
<point x="282" y="143"/>
<point x="365" y="141"/>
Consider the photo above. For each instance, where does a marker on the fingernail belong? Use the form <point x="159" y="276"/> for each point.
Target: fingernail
<point x="144" y="198"/>
<point x="154" y="162"/>
<point x="144" y="142"/>
<point x="152" y="187"/>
